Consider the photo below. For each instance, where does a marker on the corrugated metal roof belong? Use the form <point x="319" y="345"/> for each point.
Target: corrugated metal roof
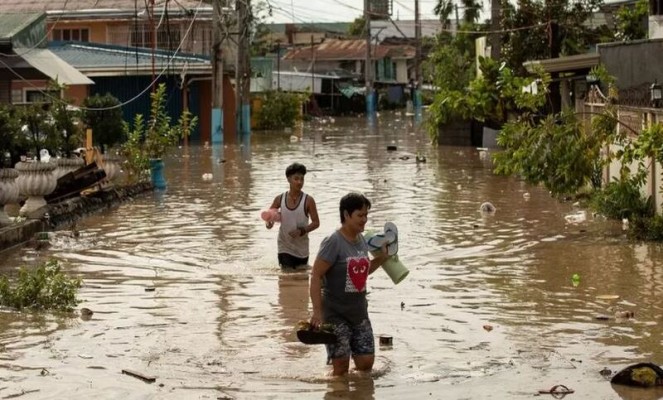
<point x="354" y="49"/>
<point x="328" y="27"/>
<point x="13" y="23"/>
<point x="74" y="6"/>
<point x="52" y="66"/>
<point x="100" y="60"/>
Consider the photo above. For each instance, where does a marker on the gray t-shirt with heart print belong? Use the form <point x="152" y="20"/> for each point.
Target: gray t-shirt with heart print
<point x="344" y="284"/>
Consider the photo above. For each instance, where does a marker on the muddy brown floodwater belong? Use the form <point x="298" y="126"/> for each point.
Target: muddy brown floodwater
<point x="220" y="321"/>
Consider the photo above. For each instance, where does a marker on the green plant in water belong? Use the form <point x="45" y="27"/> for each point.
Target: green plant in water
<point x="622" y="199"/>
<point x="279" y="110"/>
<point x="45" y="287"/>
<point x="156" y="137"/>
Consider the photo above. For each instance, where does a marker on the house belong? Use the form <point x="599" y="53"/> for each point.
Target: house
<point x="26" y="65"/>
<point x="138" y="31"/>
<point x="390" y="63"/>
<point x="288" y="34"/>
<point x="127" y="73"/>
<point x="343" y="62"/>
<point x="184" y="25"/>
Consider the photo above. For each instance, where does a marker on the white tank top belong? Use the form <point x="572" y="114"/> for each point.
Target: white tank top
<point x="292" y="219"/>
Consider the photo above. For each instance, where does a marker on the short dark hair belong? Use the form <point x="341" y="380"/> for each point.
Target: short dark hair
<point x="352" y="202"/>
<point x="295" y="168"/>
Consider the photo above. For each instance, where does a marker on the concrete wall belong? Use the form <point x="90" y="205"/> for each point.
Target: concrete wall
<point x="455" y="133"/>
<point x="636" y="119"/>
<point x="634" y="63"/>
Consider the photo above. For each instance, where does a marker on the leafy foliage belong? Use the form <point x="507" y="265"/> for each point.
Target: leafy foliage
<point x="554" y="151"/>
<point x="156" y="137"/>
<point x="558" y="150"/>
<point x="490" y="97"/>
<point x="279" y="110"/>
<point x="39" y="129"/>
<point x="103" y="115"/>
<point x="631" y="21"/>
<point x="357" y="28"/>
<point x="622" y="199"/>
<point x="45" y="287"/>
<point x="12" y="141"/>
<point x="536" y="30"/>
<point x="65" y="120"/>
<point x="647" y="228"/>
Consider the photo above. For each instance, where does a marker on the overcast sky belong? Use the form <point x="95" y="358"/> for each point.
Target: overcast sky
<point x="299" y="11"/>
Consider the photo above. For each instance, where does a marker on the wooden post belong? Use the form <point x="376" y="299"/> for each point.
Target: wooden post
<point x="89" y="150"/>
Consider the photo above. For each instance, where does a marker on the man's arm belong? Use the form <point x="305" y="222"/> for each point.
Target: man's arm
<point x="312" y="211"/>
<point x="275" y="204"/>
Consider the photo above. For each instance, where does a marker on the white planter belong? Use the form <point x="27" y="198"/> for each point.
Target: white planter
<point x="112" y="167"/>
<point x="67" y="165"/>
<point x="8" y="192"/>
<point x="35" y="180"/>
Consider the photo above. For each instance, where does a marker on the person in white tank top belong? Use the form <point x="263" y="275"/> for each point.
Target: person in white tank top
<point x="299" y="216"/>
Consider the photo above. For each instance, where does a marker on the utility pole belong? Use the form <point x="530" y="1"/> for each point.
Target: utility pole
<point x="153" y="33"/>
<point x="218" y="7"/>
<point x="495" y="37"/>
<point x="368" y="76"/>
<point x="278" y="65"/>
<point x="243" y="69"/>
<point x="457" y="20"/>
<point x="417" y="56"/>
<point x="312" y="68"/>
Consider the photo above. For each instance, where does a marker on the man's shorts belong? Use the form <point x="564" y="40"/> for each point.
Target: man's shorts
<point x="352" y="340"/>
<point x="289" y="261"/>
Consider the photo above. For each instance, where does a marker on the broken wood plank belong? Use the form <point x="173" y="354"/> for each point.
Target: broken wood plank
<point x="140" y="375"/>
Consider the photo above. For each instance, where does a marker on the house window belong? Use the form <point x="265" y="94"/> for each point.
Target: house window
<point x="74" y="35"/>
<point x="168" y="37"/>
<point x="40" y="96"/>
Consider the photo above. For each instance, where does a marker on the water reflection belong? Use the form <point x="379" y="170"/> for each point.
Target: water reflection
<point x="221" y="319"/>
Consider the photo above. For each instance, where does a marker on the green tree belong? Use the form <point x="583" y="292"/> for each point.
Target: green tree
<point x="279" y="110"/>
<point x="535" y="30"/>
<point x="631" y="21"/>
<point x="558" y="150"/>
<point x="102" y="114"/>
<point x="443" y="9"/>
<point x="357" y="28"/>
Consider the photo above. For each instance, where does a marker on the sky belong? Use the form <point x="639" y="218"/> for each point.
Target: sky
<point x="299" y="11"/>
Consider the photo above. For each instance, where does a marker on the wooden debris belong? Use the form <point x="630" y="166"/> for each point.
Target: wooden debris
<point x="139" y="375"/>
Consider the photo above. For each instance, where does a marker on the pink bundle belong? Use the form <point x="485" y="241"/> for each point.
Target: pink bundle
<point x="271" y="215"/>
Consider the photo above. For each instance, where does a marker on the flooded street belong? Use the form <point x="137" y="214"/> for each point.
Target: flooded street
<point x="220" y="321"/>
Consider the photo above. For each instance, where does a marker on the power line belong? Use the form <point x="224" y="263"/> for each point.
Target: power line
<point x="142" y="92"/>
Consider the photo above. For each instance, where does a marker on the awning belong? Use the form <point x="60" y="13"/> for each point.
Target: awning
<point x="349" y="91"/>
<point x="53" y="66"/>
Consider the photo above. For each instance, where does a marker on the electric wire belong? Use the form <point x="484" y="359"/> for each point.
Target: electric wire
<point x="122" y="104"/>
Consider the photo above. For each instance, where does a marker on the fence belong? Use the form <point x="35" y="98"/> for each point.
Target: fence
<point x="632" y="119"/>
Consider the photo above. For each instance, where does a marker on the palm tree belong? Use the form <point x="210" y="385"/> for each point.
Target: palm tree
<point x="443" y="9"/>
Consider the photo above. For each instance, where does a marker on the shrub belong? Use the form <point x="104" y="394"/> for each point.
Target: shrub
<point x="279" y="110"/>
<point x="622" y="199"/>
<point x="45" y="287"/>
<point x="103" y="115"/>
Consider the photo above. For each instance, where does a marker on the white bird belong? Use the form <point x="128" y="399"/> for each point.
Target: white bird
<point x="207" y="176"/>
<point x="44" y="156"/>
